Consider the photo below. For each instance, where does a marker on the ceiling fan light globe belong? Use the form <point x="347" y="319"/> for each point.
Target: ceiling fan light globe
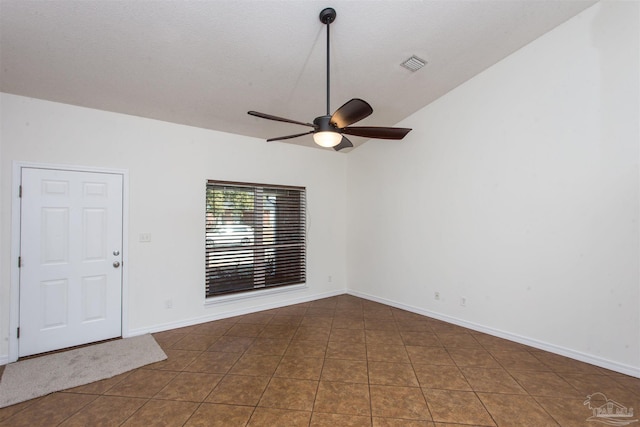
<point x="327" y="139"/>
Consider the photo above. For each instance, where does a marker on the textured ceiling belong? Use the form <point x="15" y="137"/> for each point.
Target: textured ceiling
<point x="206" y="63"/>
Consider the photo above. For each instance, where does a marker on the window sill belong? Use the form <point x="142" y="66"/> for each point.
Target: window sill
<point x="253" y="294"/>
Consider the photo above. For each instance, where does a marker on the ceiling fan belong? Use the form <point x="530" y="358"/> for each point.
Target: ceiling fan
<point x="328" y="130"/>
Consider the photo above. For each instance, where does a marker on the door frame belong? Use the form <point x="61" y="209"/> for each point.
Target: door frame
<point x="14" y="316"/>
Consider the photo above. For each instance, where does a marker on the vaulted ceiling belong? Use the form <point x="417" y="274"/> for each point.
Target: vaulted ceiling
<point x="206" y="63"/>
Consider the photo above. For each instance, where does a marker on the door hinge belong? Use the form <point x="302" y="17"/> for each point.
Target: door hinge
<point x="20" y="191"/>
<point x="18" y="332"/>
<point x="19" y="261"/>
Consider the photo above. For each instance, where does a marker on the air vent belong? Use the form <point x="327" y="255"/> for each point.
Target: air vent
<point x="414" y="63"/>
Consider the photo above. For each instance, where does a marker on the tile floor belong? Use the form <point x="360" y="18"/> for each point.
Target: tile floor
<point x="340" y="361"/>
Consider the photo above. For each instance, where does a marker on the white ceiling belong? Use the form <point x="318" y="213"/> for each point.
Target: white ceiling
<point x="206" y="63"/>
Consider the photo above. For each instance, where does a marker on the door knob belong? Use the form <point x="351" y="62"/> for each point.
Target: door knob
<point x="116" y="264"/>
<point x="116" y="252"/>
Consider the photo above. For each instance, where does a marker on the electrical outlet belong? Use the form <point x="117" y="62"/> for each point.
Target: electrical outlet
<point x="463" y="301"/>
<point x="329" y="279"/>
<point x="436" y="296"/>
<point x="168" y="304"/>
<point x="145" y="237"/>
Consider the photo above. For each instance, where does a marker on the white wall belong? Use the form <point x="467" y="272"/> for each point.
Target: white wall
<point x="168" y="168"/>
<point x="518" y="191"/>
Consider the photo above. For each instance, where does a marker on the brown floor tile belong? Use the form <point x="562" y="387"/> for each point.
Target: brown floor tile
<point x="196" y="342"/>
<point x="518" y="360"/>
<point x="348" y="323"/>
<point x="167" y="338"/>
<point x="310" y="333"/>
<point x="462" y="407"/>
<point x="516" y="410"/>
<point x="539" y="383"/>
<point x="353" y="351"/>
<point x="105" y="411"/>
<point x="285" y="320"/>
<point x="215" y="415"/>
<point x="420" y="338"/>
<point x="429" y="355"/>
<point x="441" y="377"/>
<point x="284" y="332"/>
<point x="293" y="310"/>
<point x="413" y="326"/>
<point x="244" y="330"/>
<point x="347" y="335"/>
<point x="490" y="342"/>
<point x="259" y="318"/>
<point x="380" y="324"/>
<point x="256" y="364"/>
<point x="176" y="360"/>
<point x="491" y="380"/>
<point x="189" y="387"/>
<point x="398" y="402"/>
<point x="350" y="371"/>
<point x="342" y="398"/>
<point x="458" y="340"/>
<point x="477" y="357"/>
<point x="142" y="383"/>
<point x="383" y="337"/>
<point x="99" y="387"/>
<point x="268" y="346"/>
<point x="387" y="353"/>
<point x="214" y="362"/>
<point x="334" y="420"/>
<point x="218" y="328"/>
<point x="386" y="373"/>
<point x="343" y="361"/>
<point x="398" y="422"/>
<point x="227" y="344"/>
<point x="307" y="348"/>
<point x="318" y="322"/>
<point x="590" y="383"/>
<point x="440" y="327"/>
<point x="560" y="364"/>
<point x="49" y="410"/>
<point x="300" y="367"/>
<point x="568" y="412"/>
<point x="279" y="417"/>
<point x="9" y="411"/>
<point x="239" y="390"/>
<point x="287" y="393"/>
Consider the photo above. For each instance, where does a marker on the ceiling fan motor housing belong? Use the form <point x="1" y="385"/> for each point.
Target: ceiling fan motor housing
<point x="323" y="124"/>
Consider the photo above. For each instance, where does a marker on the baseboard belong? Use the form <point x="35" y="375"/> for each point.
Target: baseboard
<point x="583" y="357"/>
<point x="4" y="359"/>
<point x="230" y="313"/>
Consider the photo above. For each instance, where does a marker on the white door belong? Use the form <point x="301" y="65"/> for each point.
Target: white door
<point x="70" y="255"/>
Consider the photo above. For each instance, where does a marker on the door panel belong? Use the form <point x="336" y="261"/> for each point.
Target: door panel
<point x="70" y="288"/>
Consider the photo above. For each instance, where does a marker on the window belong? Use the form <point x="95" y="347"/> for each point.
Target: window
<point x="255" y="237"/>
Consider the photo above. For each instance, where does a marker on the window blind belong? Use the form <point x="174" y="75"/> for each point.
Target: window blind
<point x="255" y="237"/>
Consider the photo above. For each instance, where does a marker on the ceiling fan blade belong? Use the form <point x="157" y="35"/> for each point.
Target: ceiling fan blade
<point x="377" y="132"/>
<point x="278" y="119"/>
<point x="351" y="112"/>
<point x="345" y="143"/>
<point x="280" y="138"/>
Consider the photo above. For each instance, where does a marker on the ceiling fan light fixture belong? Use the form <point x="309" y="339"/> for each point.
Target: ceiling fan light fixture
<point x="327" y="139"/>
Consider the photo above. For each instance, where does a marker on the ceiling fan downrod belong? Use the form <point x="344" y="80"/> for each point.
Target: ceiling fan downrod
<point x="327" y="16"/>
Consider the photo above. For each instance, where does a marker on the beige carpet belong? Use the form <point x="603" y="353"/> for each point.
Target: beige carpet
<point x="36" y="377"/>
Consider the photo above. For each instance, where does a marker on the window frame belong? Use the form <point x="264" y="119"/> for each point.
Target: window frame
<point x="270" y="221"/>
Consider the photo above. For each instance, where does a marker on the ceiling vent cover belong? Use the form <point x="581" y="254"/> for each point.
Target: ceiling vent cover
<point x="414" y="63"/>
